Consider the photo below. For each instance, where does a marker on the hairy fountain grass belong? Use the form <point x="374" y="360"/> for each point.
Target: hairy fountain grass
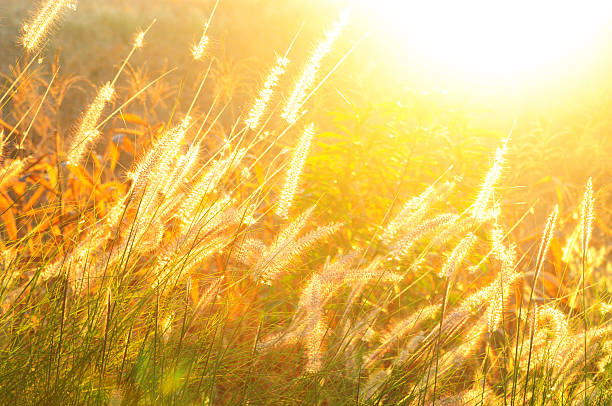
<point x="542" y="251"/>
<point x="585" y="235"/>
<point x="506" y="278"/>
<point x="486" y="191"/>
<point x="139" y="39"/>
<point x="206" y="185"/>
<point x="197" y="51"/>
<point x="183" y="165"/>
<point x="286" y="249"/>
<point x="37" y="28"/>
<point x="172" y="266"/>
<point x="149" y="169"/>
<point x="400" y="329"/>
<point x="551" y="335"/>
<point x="304" y="83"/>
<point x="196" y="282"/>
<point x="294" y="172"/>
<point x="265" y="94"/>
<point x="586" y="219"/>
<point x="457" y="256"/>
<point x="310" y="323"/>
<point x="447" y="272"/>
<point x="547" y="236"/>
<point x="411" y="212"/>
<point x="87" y="132"/>
<point x="404" y="244"/>
<point x="463" y="224"/>
<point x="11" y="170"/>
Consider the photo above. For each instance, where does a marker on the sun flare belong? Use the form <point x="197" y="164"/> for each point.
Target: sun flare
<point x="493" y="40"/>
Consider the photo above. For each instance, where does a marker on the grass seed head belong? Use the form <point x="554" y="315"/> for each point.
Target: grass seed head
<point x="36" y="29"/>
<point x="87" y="133"/>
<point x="304" y="83"/>
<point x="265" y="94"/>
<point x="587" y="215"/>
<point x="294" y="172"/>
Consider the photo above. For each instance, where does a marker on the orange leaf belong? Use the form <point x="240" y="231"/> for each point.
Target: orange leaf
<point x="82" y="175"/>
<point x="132" y="118"/>
<point x="128" y="146"/>
<point x="52" y="172"/>
<point x="19" y="187"/>
<point x="56" y="231"/>
<point x="114" y="156"/>
<point x="195" y="290"/>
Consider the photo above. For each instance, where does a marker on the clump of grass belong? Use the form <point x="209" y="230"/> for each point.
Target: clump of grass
<point x="208" y="279"/>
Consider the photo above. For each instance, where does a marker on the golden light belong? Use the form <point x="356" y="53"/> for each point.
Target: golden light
<point x="494" y="40"/>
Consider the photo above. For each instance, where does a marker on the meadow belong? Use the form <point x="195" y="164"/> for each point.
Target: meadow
<point x="253" y="202"/>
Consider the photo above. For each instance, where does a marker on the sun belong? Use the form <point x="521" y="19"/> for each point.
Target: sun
<point x="494" y="40"/>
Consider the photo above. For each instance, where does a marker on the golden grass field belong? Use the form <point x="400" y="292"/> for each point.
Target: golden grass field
<point x="269" y="202"/>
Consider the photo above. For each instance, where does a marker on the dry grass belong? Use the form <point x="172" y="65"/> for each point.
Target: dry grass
<point x="167" y="247"/>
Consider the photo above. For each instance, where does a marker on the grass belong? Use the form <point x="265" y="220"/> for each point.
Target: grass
<point x="348" y="247"/>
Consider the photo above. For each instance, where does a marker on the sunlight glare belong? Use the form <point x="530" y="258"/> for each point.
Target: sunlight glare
<point x="494" y="39"/>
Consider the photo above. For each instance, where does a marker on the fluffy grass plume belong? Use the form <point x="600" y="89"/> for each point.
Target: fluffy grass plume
<point x="10" y="170"/>
<point x="486" y="191"/>
<point x="547" y="236"/>
<point x="36" y="29"/>
<point x="305" y="81"/>
<point x="458" y="254"/>
<point x="408" y="215"/>
<point x="197" y="51"/>
<point x="139" y="39"/>
<point x="295" y="170"/>
<point x="586" y="218"/>
<point x="87" y="132"/>
<point x="265" y="94"/>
